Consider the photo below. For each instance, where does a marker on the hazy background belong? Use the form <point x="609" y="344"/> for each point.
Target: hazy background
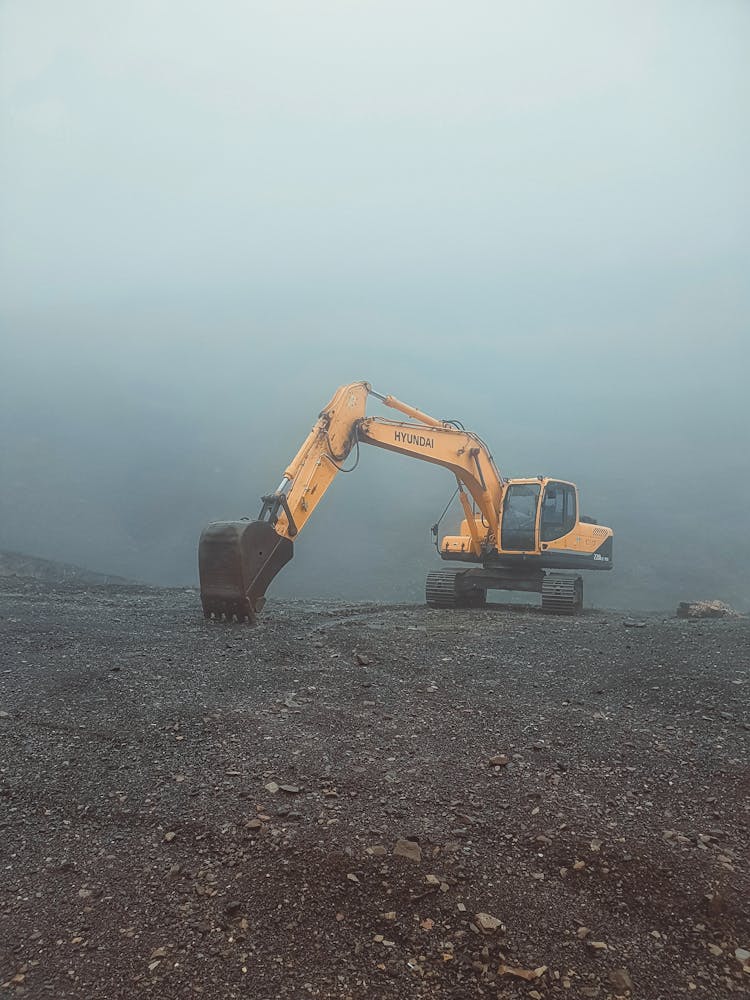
<point x="533" y="217"/>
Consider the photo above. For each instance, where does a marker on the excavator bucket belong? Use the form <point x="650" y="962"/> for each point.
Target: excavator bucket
<point x="236" y="562"/>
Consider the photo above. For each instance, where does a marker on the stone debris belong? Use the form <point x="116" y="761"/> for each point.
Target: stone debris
<point x="620" y="981"/>
<point x="488" y="924"/>
<point x="408" y="849"/>
<point x="705" y="609"/>
<point x="528" y="974"/>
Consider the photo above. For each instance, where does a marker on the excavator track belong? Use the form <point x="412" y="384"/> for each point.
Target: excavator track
<point x="440" y="589"/>
<point x="443" y="590"/>
<point x="562" y="594"/>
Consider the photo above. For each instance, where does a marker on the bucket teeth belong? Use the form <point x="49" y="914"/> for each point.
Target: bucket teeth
<point x="229" y="612"/>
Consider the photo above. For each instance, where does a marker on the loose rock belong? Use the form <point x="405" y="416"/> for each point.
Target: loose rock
<point x="408" y="849"/>
<point x="487" y="923"/>
<point x="620" y="981"/>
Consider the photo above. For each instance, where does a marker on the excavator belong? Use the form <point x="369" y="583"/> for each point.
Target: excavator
<point x="517" y="534"/>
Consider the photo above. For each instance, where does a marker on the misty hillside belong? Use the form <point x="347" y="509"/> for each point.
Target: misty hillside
<point x="48" y="571"/>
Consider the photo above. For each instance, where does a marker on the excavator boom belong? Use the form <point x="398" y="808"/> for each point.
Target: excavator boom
<point x="238" y="559"/>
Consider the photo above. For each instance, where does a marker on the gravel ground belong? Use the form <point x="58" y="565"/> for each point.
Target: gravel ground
<point x="193" y="809"/>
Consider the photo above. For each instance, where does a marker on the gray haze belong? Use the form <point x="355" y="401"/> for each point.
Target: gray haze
<point x="529" y="216"/>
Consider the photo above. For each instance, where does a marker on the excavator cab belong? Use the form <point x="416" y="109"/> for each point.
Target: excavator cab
<point x="537" y="513"/>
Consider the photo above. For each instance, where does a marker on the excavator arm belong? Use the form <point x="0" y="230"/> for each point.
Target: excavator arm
<point x="238" y="559"/>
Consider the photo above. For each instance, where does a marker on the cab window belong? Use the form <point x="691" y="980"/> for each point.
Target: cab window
<point x="559" y="512"/>
<point x="519" y="517"/>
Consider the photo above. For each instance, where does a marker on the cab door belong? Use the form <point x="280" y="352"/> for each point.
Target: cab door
<point x="518" y="524"/>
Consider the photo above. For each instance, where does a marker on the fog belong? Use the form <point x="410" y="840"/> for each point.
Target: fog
<point x="532" y="217"/>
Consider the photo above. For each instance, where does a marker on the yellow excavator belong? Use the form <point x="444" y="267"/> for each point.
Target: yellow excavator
<point x="517" y="532"/>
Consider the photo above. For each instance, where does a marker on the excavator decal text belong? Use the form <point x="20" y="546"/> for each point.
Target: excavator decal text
<point x="403" y="437"/>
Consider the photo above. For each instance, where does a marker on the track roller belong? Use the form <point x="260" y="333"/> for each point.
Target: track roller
<point x="562" y="594"/>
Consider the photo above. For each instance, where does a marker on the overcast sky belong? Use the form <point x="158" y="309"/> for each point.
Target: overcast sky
<point x="530" y="216"/>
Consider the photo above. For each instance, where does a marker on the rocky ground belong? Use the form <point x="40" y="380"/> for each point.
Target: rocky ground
<point x="368" y="801"/>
